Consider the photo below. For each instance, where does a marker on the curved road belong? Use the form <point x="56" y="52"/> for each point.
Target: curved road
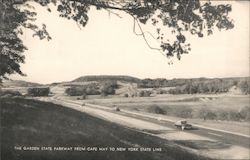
<point x="152" y="125"/>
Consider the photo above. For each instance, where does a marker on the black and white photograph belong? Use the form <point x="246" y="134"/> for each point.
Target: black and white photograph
<point x="124" y="80"/>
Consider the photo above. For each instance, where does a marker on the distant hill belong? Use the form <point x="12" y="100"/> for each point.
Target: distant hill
<point x="100" y="78"/>
<point x="158" y="82"/>
<point x="19" y="83"/>
<point x="239" y="85"/>
<point x="129" y="84"/>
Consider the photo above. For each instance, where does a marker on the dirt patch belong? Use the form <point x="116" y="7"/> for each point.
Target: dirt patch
<point x="203" y="144"/>
<point x="155" y="131"/>
<point x="183" y="136"/>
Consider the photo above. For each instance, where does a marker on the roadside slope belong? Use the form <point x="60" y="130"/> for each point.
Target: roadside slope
<point x="34" y="123"/>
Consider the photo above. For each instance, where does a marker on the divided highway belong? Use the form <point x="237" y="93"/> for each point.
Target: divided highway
<point x="151" y="124"/>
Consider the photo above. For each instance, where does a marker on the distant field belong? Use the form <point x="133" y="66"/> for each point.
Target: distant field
<point x="223" y="111"/>
<point x="34" y="123"/>
<point x="197" y="106"/>
<point x="213" y="102"/>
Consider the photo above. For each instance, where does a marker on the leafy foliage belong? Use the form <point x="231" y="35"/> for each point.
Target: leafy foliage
<point x="144" y="93"/>
<point x="37" y="92"/>
<point x="245" y="86"/>
<point x="197" y="85"/>
<point x="12" y="20"/>
<point x="9" y="93"/>
<point x="156" y="109"/>
<point x="180" y="16"/>
<point x="105" y="88"/>
<point x="91" y="89"/>
<point x="108" y="88"/>
<point x="212" y="86"/>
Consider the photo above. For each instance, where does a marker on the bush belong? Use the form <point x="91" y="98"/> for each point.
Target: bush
<point x="73" y="91"/>
<point x="242" y="115"/>
<point x="161" y="91"/>
<point x="244" y="87"/>
<point x="156" y="109"/>
<point x="84" y="96"/>
<point x="211" y="115"/>
<point x="223" y="115"/>
<point x="125" y="95"/>
<point x="205" y="114"/>
<point x="235" y="116"/>
<point x="245" y="113"/>
<point x="108" y="88"/>
<point x="36" y="92"/>
<point x="184" y="112"/>
<point x="9" y="93"/>
<point x="91" y="89"/>
<point x="144" y="94"/>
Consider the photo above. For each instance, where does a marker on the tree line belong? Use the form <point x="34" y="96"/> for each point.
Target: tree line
<point x="216" y="86"/>
<point x="197" y="85"/>
<point x="104" y="89"/>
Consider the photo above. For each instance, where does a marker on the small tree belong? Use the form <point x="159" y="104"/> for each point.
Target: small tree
<point x="245" y="87"/>
<point x="156" y="109"/>
<point x="108" y="88"/>
<point x="84" y="96"/>
<point x="125" y="95"/>
<point x="184" y="112"/>
<point x="37" y="92"/>
<point x="144" y="94"/>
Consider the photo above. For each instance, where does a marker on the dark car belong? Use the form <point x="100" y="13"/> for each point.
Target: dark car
<point x="183" y="124"/>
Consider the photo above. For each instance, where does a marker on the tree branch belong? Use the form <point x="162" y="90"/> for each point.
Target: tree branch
<point x="111" y="12"/>
<point x="144" y="37"/>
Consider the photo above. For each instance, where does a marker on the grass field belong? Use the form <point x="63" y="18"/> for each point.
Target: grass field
<point x="172" y="104"/>
<point x="224" y="111"/>
<point x="40" y="124"/>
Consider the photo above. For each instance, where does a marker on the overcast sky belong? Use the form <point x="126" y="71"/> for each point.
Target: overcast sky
<point x="107" y="45"/>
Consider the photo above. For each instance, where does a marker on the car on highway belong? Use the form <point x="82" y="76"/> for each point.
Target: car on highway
<point x="183" y="124"/>
<point x="117" y="109"/>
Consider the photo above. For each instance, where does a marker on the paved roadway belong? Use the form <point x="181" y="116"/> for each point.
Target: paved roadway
<point x="224" y="137"/>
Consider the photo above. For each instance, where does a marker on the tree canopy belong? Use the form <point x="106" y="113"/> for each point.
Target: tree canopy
<point x="197" y="17"/>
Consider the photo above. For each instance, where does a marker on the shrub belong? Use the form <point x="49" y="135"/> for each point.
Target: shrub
<point x="223" y="115"/>
<point x="36" y="92"/>
<point x="73" y="91"/>
<point x="156" y="109"/>
<point x="245" y="113"/>
<point x="108" y="88"/>
<point x="184" y="112"/>
<point x="9" y="93"/>
<point x="91" y="89"/>
<point x="211" y="115"/>
<point x="205" y="113"/>
<point x="235" y="116"/>
<point x="161" y="91"/>
<point x="84" y="96"/>
<point x="144" y="94"/>
<point x="244" y="87"/>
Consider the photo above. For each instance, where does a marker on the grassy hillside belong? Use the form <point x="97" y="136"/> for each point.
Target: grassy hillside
<point x="107" y="78"/>
<point x="19" y="83"/>
<point x="34" y="123"/>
